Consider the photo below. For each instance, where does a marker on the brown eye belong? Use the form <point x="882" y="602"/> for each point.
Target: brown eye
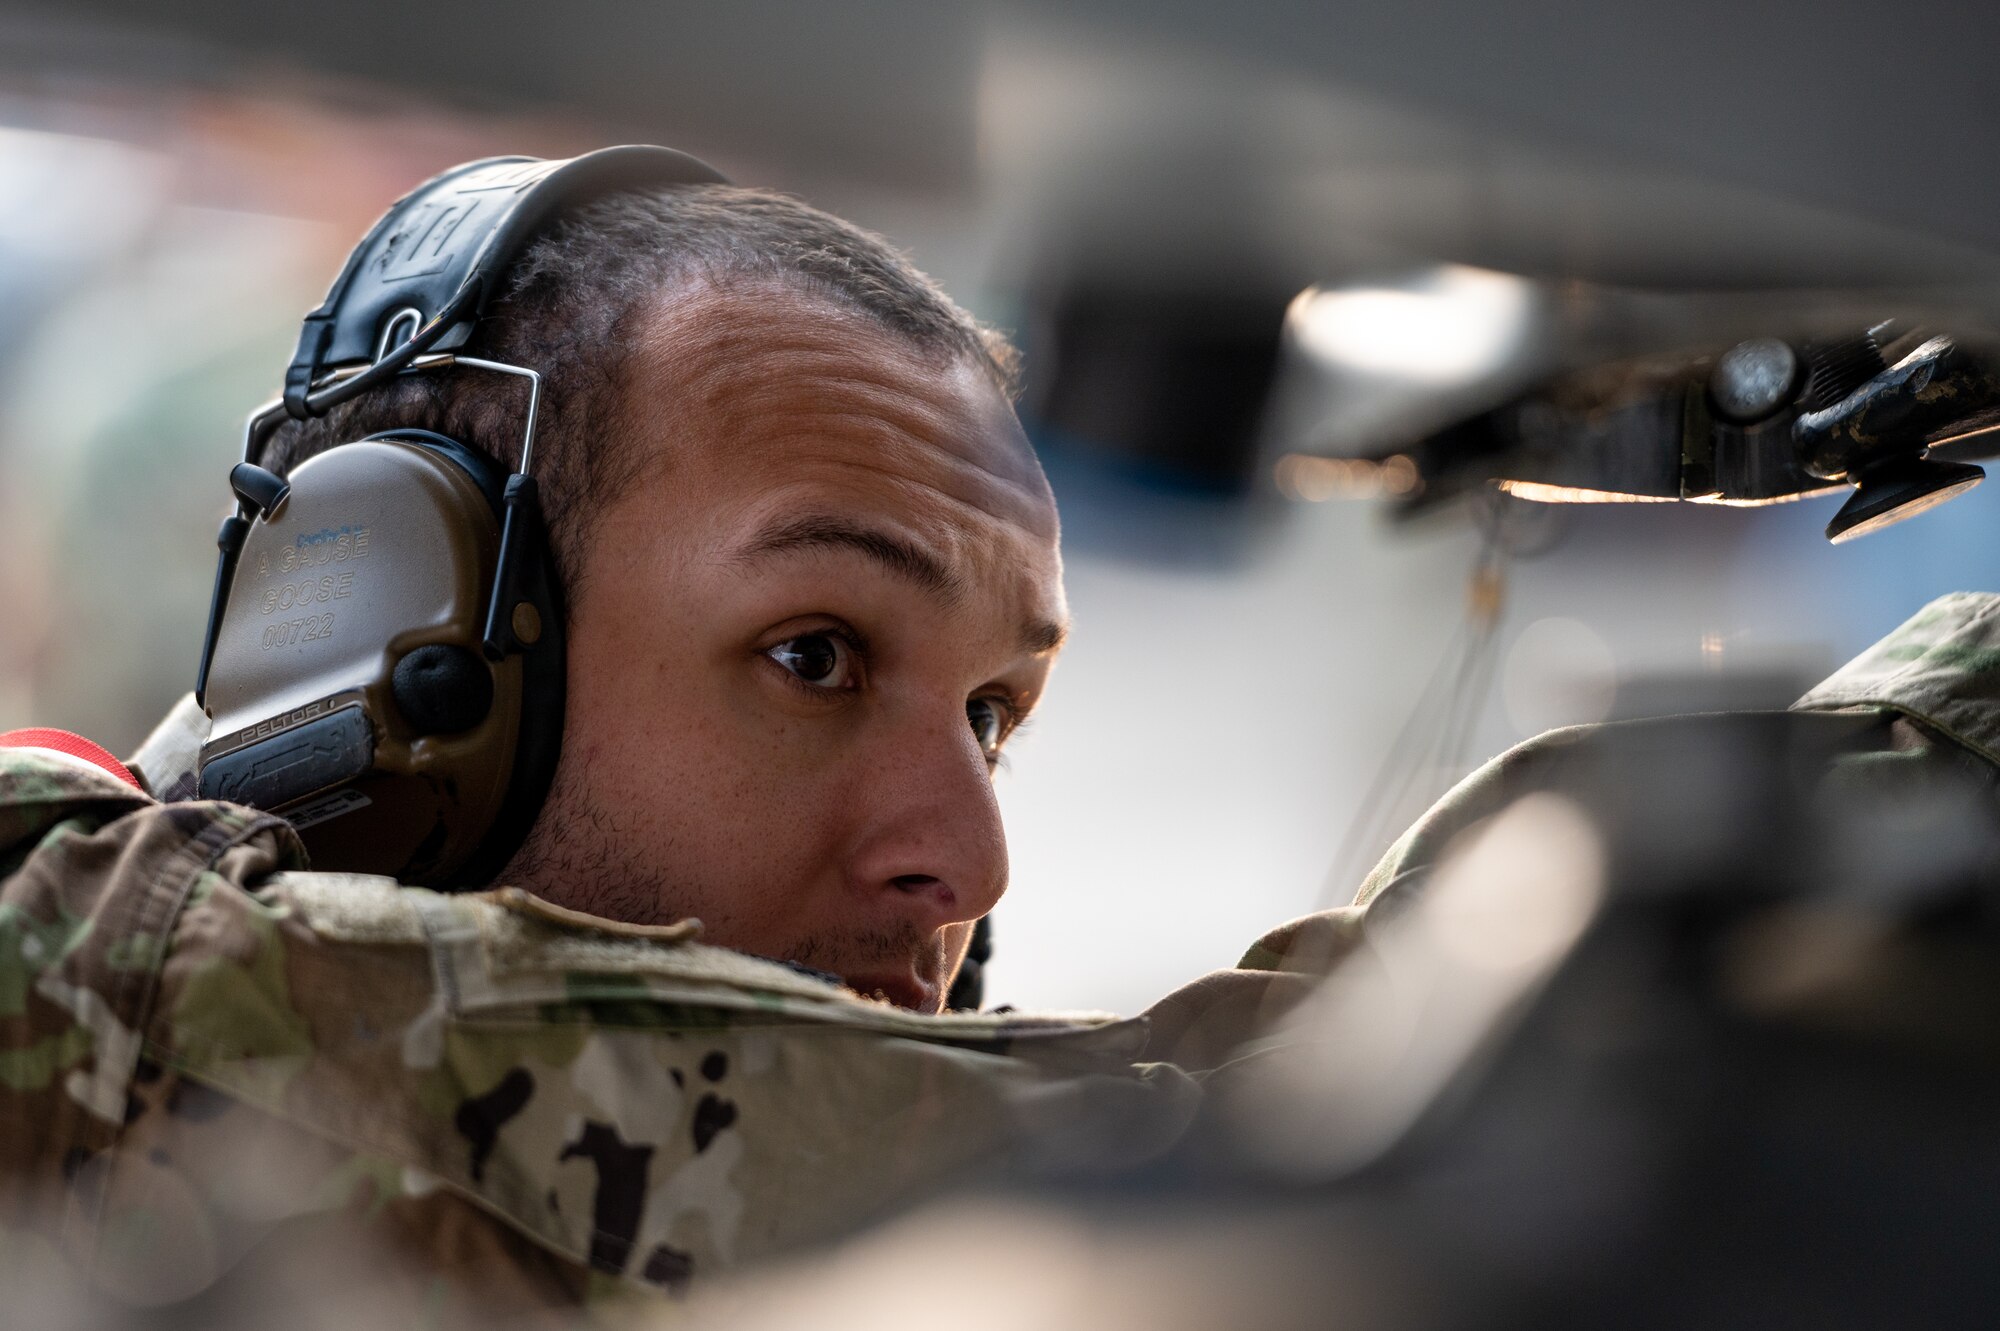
<point x="819" y="659"/>
<point x="989" y="723"/>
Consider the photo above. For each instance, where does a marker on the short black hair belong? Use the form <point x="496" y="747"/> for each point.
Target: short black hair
<point x="569" y="313"/>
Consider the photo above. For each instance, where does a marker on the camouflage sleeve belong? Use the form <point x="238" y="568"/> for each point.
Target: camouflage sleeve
<point x="214" y="1055"/>
<point x="1940" y="670"/>
<point x="92" y="874"/>
<point x="1905" y="722"/>
<point x="1200" y="1026"/>
<point x="1594" y="758"/>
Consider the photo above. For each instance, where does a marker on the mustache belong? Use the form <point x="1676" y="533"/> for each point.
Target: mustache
<point x="846" y="952"/>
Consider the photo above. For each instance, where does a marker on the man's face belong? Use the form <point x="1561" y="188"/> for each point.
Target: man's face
<point x="798" y="638"/>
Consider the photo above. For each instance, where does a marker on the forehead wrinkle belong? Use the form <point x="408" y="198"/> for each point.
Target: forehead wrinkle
<point x="868" y="406"/>
<point x="811" y="424"/>
<point x="731" y="361"/>
<point x="752" y="381"/>
<point x="735" y="357"/>
<point x="899" y="479"/>
<point x="753" y="372"/>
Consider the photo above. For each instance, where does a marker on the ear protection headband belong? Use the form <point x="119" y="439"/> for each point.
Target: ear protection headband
<point x="384" y="655"/>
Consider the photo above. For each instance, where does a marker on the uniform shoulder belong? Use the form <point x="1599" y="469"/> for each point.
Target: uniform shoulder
<point x="1940" y="667"/>
<point x="40" y="785"/>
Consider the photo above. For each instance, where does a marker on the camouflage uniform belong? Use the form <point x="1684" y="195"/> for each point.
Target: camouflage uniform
<point x="207" y="1051"/>
<point x="481" y="1106"/>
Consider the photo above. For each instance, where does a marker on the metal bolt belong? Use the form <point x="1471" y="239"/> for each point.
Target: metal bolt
<point x="1753" y="379"/>
<point x="527" y="623"/>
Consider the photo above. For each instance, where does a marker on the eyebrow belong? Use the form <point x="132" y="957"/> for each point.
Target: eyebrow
<point x="818" y="532"/>
<point x="1044" y="635"/>
<point x="903" y="558"/>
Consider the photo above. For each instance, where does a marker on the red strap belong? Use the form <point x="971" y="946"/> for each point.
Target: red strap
<point x="62" y="741"/>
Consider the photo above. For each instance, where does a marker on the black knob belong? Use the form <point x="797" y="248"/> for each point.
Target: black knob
<point x="1899" y="488"/>
<point x="968" y="991"/>
<point x="442" y="689"/>
<point x="262" y="490"/>
<point x="981" y="947"/>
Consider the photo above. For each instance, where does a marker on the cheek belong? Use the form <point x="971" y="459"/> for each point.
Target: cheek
<point x="659" y="739"/>
<point x="957" y="938"/>
<point x="675" y="754"/>
<point x="657" y="689"/>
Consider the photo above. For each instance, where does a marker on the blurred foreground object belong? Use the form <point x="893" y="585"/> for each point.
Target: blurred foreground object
<point x="1688" y="1022"/>
<point x="1453" y="377"/>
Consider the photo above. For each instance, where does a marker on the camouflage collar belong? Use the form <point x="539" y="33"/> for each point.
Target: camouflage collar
<point x="1941" y="668"/>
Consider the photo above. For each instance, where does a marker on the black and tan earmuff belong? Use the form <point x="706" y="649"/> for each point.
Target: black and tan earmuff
<point x="384" y="657"/>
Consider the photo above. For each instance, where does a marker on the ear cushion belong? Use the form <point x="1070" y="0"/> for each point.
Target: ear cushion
<point x="544" y="674"/>
<point x="484" y="471"/>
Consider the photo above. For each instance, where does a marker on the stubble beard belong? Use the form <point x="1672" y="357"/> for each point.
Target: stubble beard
<point x="580" y="856"/>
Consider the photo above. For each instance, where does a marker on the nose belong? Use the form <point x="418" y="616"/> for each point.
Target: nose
<point x="930" y="835"/>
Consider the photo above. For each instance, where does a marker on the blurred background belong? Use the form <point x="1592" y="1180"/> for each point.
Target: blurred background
<point x="1256" y="255"/>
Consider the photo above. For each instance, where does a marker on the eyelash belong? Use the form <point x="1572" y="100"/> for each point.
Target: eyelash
<point x="841" y="633"/>
<point x="858" y="645"/>
<point x="1002" y="761"/>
